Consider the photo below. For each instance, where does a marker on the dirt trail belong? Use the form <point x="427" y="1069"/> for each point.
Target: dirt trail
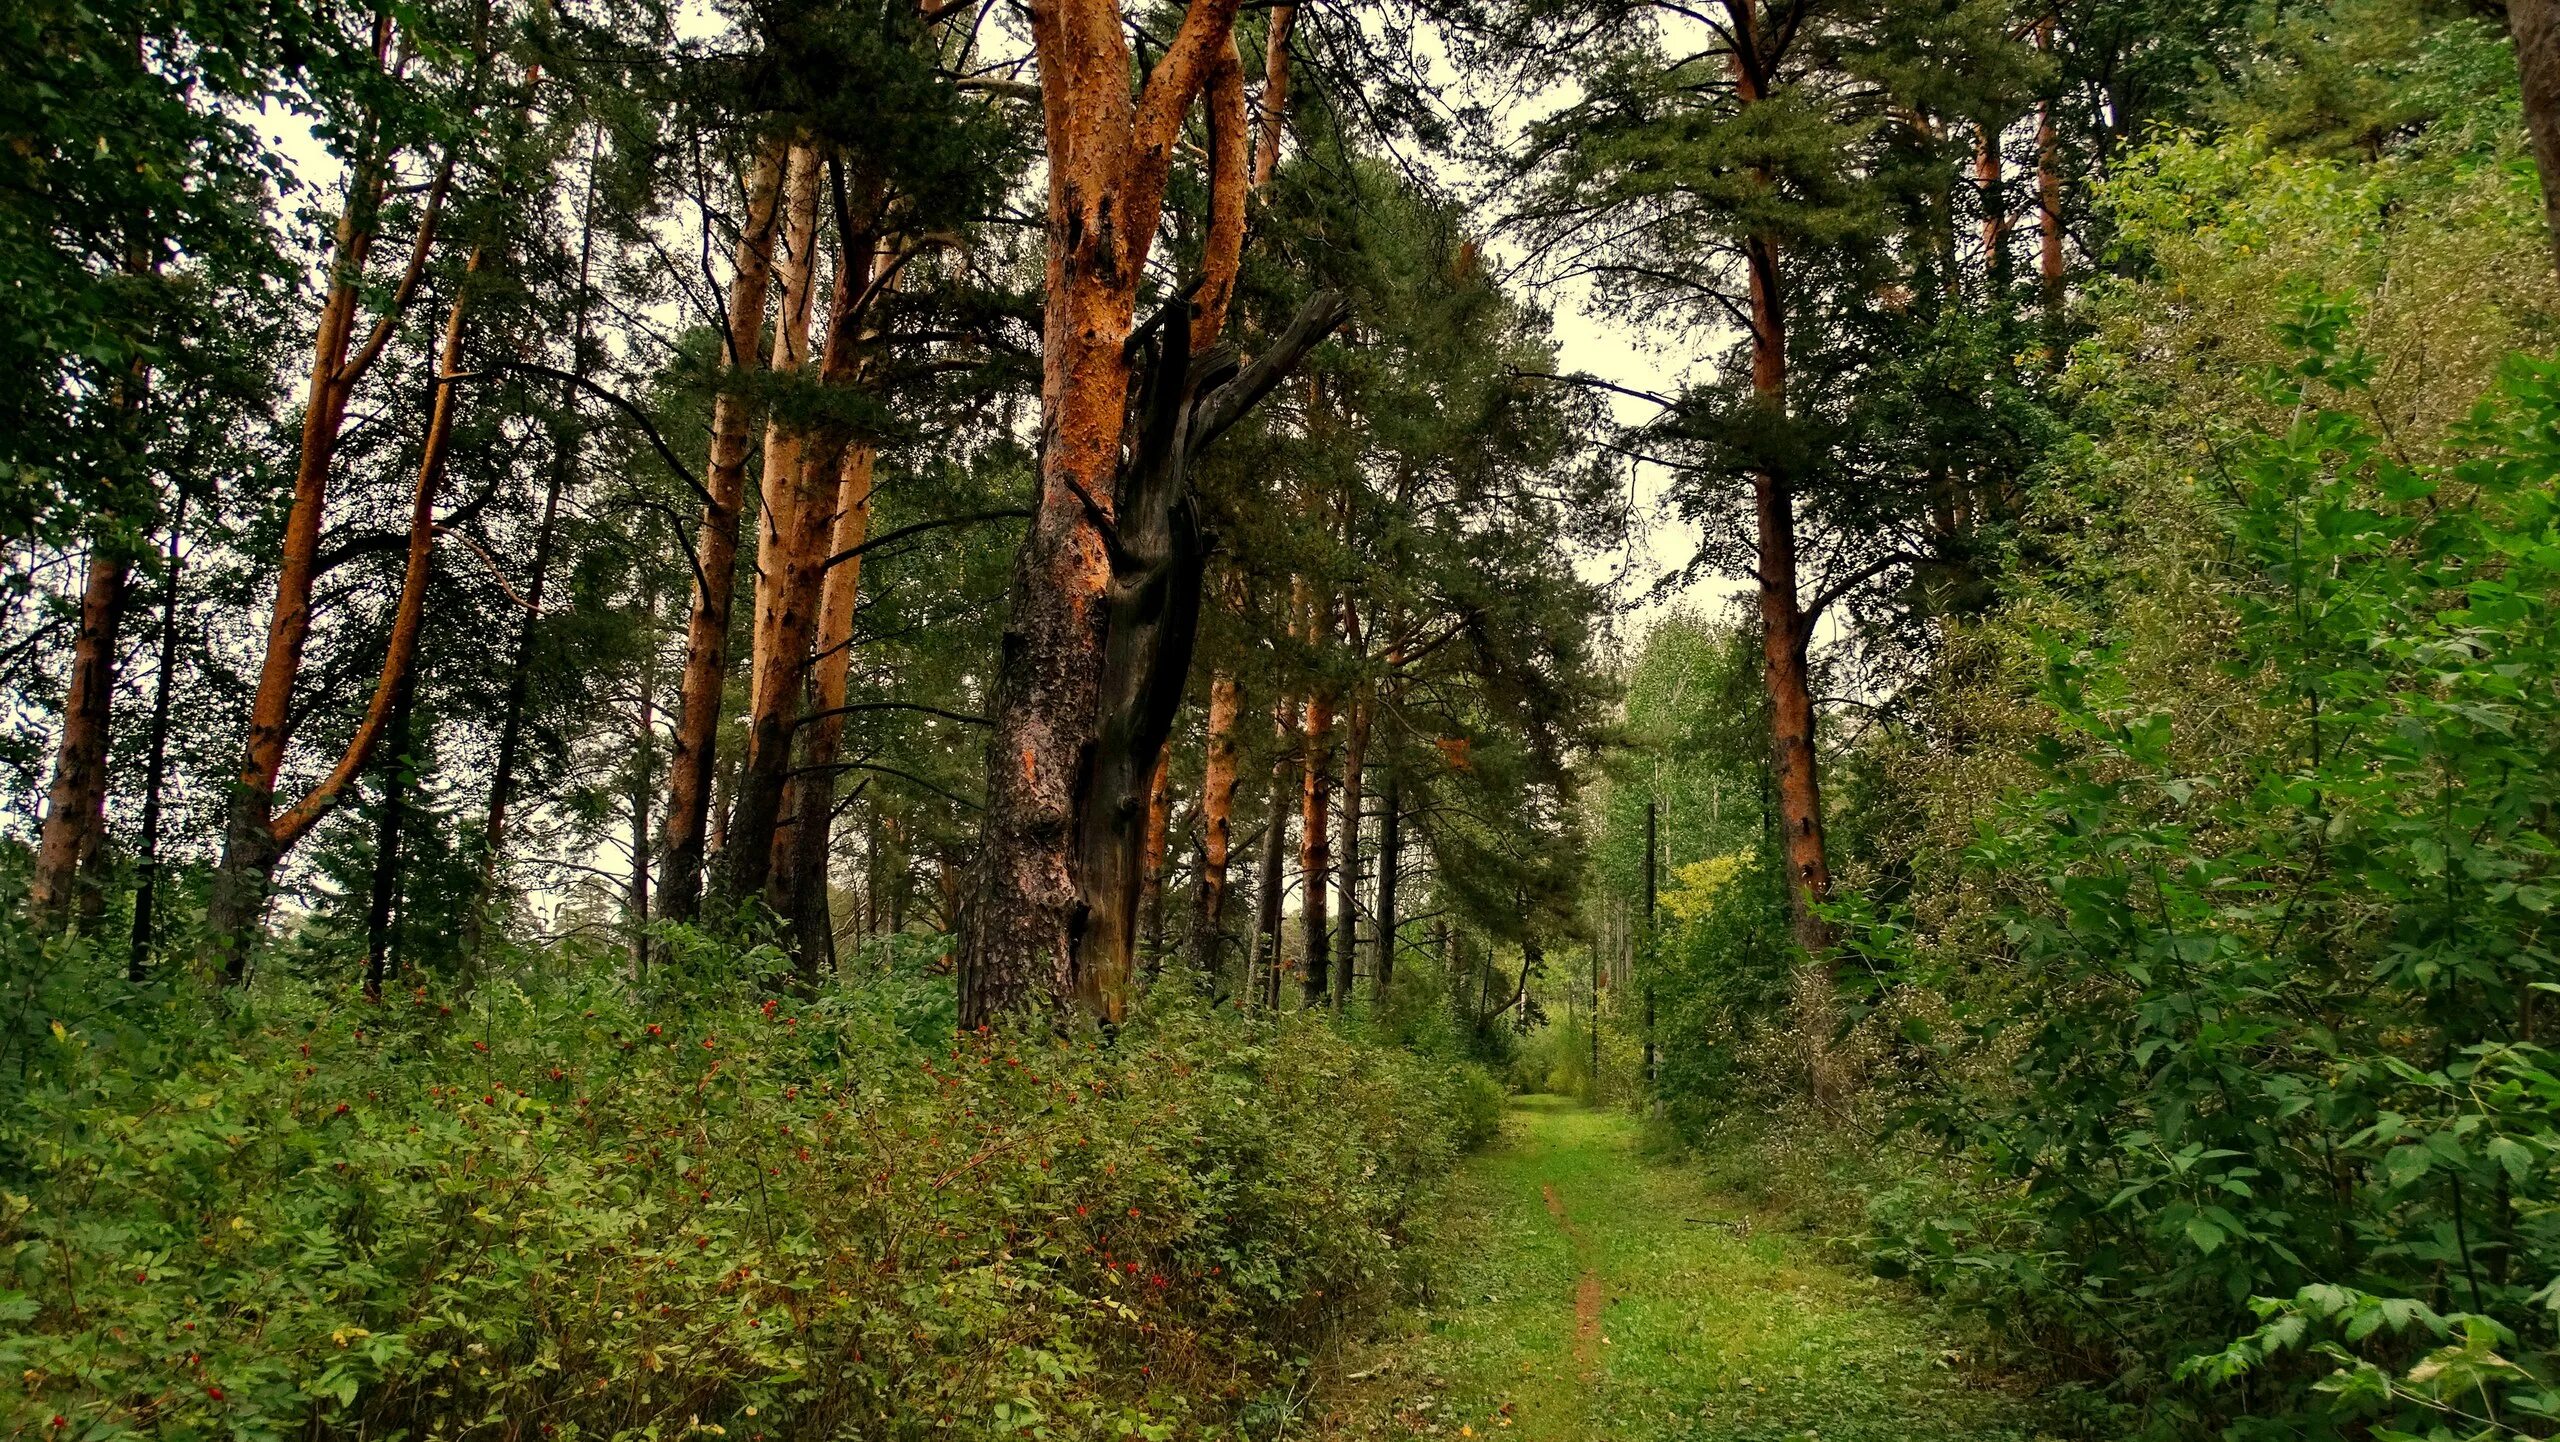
<point x="1588" y="1294"/>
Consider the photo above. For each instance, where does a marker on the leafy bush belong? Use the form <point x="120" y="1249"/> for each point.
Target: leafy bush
<point x="2274" y="1067"/>
<point x="568" y="1210"/>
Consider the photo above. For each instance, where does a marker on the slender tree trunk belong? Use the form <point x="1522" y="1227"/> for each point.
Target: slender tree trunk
<point x="794" y="522"/>
<point x="2535" y="24"/>
<point x="1315" y="847"/>
<point x="1218" y="784"/>
<point x="75" y="808"/>
<point x="1990" y="177"/>
<point x="146" y="896"/>
<point x="1647" y="936"/>
<point x="1346" y="948"/>
<point x="1390" y="872"/>
<point x="1786" y="639"/>
<point x="691" y="762"/>
<point x="2049" y="269"/>
<point x="644" y="784"/>
<point x="813" y="790"/>
<point x="1272" y="114"/>
<point x="1109" y="158"/>
<point x="563" y="472"/>
<point x="381" y="906"/>
<point x="1217" y="826"/>
<point x="1275" y="841"/>
<point x="255" y="838"/>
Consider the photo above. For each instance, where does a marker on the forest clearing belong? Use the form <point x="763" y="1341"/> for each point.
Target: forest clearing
<point x="1078" y="719"/>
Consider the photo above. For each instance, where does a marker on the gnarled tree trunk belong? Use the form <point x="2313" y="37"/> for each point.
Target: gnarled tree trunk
<point x="1109" y="159"/>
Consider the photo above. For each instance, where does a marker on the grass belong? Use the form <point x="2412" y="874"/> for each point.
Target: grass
<point x="1701" y="1326"/>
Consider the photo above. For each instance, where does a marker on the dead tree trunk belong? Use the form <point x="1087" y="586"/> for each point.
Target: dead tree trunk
<point x="690" y="763"/>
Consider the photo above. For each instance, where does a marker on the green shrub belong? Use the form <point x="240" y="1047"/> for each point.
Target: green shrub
<point x="2274" y="1071"/>
<point x="561" y="1210"/>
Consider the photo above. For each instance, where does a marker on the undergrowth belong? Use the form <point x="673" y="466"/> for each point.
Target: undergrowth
<point x="562" y="1206"/>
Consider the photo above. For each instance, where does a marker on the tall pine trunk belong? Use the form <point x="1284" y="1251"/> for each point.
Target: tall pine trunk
<point x="256" y="838"/>
<point x="1390" y="872"/>
<point x="1346" y="948"/>
<point x="1217" y="827"/>
<point x="695" y="750"/>
<point x="813" y="791"/>
<point x="791" y="535"/>
<point x="1315" y="848"/>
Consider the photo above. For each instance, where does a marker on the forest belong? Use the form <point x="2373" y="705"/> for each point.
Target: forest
<point x="1724" y="720"/>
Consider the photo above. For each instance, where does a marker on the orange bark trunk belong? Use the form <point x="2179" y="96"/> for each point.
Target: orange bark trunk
<point x="1786" y="638"/>
<point x="1217" y="823"/>
<point x="75" y="806"/>
<point x="1109" y="158"/>
<point x="257" y="838"/>
<point x="1273" y="112"/>
<point x="690" y="762"/>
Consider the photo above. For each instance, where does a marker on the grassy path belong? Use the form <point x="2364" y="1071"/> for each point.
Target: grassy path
<point x="1585" y="1293"/>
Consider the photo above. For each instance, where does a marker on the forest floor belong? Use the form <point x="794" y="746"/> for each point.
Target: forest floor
<point x="1585" y="1291"/>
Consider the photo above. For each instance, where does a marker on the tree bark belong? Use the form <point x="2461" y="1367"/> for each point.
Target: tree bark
<point x="797" y="517"/>
<point x="146" y="895"/>
<point x="1346" y="949"/>
<point x="1990" y="177"/>
<point x="256" y="838"/>
<point x="1217" y="826"/>
<point x="1786" y="638"/>
<point x="1390" y="870"/>
<point x="1272" y="115"/>
<point x="2535" y="24"/>
<point x="1151" y="861"/>
<point x="1275" y="841"/>
<point x="691" y="758"/>
<point x="1109" y="159"/>
<point x="75" y="806"/>
<point x="813" y="791"/>
<point x="644" y="781"/>
<point x="1315" y="847"/>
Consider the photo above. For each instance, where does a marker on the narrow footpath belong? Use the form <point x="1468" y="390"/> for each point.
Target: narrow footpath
<point x="1584" y="1292"/>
